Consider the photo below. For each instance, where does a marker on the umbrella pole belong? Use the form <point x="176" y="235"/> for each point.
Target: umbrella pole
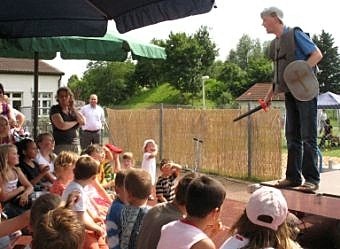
<point x="35" y="95"/>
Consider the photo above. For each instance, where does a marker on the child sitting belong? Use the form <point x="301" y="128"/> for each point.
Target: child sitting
<point x="138" y="186"/>
<point x="85" y="173"/>
<point x="59" y="228"/>
<point x="6" y="136"/>
<point x="162" y="214"/>
<point x="263" y="223"/>
<point x="128" y="161"/>
<point x="45" y="155"/>
<point x="113" y="222"/>
<point x="204" y="199"/>
<point x="165" y="185"/>
<point x="16" y="189"/>
<point x="27" y="152"/>
<point x="49" y="232"/>
<point x="97" y="194"/>
<point x="97" y="152"/>
<point x="63" y="168"/>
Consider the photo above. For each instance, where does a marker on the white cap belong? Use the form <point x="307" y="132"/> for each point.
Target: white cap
<point x="267" y="201"/>
<point x="148" y="141"/>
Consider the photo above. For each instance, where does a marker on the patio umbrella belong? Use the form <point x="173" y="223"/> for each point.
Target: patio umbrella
<point x="36" y="18"/>
<point x="133" y="14"/>
<point x="111" y="47"/>
<point x="46" y="18"/>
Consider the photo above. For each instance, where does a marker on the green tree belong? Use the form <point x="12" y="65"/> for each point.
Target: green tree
<point x="216" y="69"/>
<point x="234" y="78"/>
<point x="217" y="91"/>
<point x="329" y="75"/>
<point x="75" y="84"/>
<point x="111" y="81"/>
<point x="259" y="70"/>
<point x="188" y="59"/>
<point x="245" y="48"/>
<point x="246" y="66"/>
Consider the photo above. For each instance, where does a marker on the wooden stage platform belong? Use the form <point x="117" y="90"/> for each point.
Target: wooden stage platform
<point x="325" y="202"/>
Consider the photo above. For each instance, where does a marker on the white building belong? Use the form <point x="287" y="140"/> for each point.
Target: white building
<point x="16" y="76"/>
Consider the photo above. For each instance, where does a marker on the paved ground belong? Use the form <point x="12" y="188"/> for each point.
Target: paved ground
<point x="231" y="211"/>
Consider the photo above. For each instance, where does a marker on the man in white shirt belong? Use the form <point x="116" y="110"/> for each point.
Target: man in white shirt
<point x="95" y="118"/>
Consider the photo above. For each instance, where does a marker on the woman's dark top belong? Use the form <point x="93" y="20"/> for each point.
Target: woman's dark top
<point x="69" y="136"/>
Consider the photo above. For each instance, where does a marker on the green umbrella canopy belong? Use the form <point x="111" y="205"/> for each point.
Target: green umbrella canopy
<point x="111" y="47"/>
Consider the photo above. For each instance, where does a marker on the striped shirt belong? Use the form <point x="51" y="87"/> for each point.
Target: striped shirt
<point x="165" y="186"/>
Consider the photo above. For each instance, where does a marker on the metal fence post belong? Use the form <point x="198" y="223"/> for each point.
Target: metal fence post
<point x="250" y="140"/>
<point x="161" y="118"/>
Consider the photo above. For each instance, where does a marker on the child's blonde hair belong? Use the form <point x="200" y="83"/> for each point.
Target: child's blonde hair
<point x="93" y="148"/>
<point x="59" y="228"/>
<point x="42" y="136"/>
<point x="259" y="236"/>
<point x="4" y="167"/>
<point x="64" y="160"/>
<point x="129" y="156"/>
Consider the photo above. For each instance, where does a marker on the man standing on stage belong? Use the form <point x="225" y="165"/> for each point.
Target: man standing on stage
<point x="290" y="45"/>
<point x="95" y="118"/>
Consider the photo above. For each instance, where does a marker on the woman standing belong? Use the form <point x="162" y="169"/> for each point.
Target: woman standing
<point x="66" y="119"/>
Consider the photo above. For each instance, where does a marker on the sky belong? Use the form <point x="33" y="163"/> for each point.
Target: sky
<point x="228" y="22"/>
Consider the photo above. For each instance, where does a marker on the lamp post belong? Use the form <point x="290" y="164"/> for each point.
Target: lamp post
<point x="204" y="78"/>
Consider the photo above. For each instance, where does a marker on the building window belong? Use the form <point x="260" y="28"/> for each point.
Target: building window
<point x="44" y="103"/>
<point x="15" y="99"/>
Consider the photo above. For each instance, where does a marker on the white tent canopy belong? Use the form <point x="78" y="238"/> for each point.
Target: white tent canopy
<point x="329" y="100"/>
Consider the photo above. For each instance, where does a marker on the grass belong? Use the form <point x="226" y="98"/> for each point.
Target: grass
<point x="150" y="97"/>
<point x="331" y="152"/>
<point x="165" y="94"/>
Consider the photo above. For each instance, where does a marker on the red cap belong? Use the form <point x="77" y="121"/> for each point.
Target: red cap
<point x="113" y="148"/>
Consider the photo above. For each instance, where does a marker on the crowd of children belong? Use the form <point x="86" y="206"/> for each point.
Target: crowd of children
<point x="93" y="201"/>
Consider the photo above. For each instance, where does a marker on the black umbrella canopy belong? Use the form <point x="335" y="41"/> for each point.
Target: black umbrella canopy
<point x="133" y="14"/>
<point x="36" y="18"/>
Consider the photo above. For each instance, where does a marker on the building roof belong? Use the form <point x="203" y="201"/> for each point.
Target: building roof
<point x="259" y="91"/>
<point x="26" y="66"/>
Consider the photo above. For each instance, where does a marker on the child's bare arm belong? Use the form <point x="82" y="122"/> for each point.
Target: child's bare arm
<point x="161" y="198"/>
<point x="101" y="191"/>
<point x="5" y="196"/>
<point x="213" y="229"/>
<point x="204" y="244"/>
<point x="14" y="224"/>
<point x="90" y="224"/>
<point x="49" y="175"/>
<point x="175" y="166"/>
<point x="43" y="172"/>
<point x="28" y="188"/>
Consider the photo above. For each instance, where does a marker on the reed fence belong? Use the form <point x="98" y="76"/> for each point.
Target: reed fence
<point x="208" y="140"/>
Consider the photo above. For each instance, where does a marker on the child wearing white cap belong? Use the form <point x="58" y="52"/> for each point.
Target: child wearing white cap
<point x="263" y="223"/>
<point x="150" y="150"/>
